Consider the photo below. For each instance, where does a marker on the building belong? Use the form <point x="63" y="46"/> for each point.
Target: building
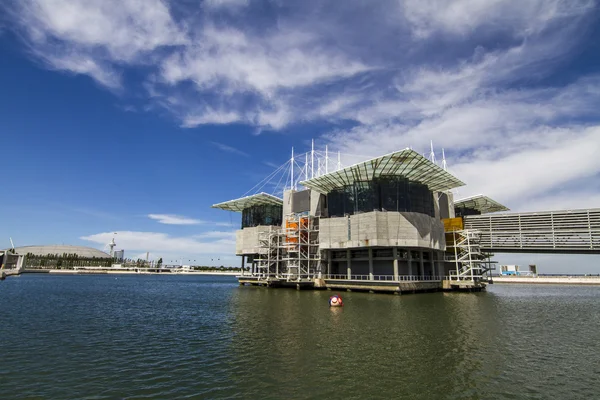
<point x="382" y="224"/>
<point x="119" y="255"/>
<point x="62" y="256"/>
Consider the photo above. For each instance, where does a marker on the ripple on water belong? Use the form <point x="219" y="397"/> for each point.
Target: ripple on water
<point x="94" y="337"/>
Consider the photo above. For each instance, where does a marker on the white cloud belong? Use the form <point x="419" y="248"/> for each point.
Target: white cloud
<point x="488" y="92"/>
<point x="230" y="149"/>
<point x="123" y="29"/>
<point x="464" y="17"/>
<point x="171" y="219"/>
<point x="225" y="4"/>
<point x="161" y="243"/>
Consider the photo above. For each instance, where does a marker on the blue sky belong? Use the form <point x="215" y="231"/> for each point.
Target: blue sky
<point x="135" y="116"/>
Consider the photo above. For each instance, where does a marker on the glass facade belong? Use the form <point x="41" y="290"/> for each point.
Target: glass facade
<point x="388" y="193"/>
<point x="464" y="211"/>
<point x="264" y="214"/>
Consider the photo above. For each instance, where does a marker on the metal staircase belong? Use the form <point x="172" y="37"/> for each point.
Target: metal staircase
<point x="472" y="264"/>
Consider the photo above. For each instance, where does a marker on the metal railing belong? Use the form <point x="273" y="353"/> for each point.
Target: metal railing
<point x="386" y="278"/>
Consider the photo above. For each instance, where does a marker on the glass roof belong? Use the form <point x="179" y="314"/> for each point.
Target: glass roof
<point x="406" y="163"/>
<point x="480" y="203"/>
<point x="242" y="203"/>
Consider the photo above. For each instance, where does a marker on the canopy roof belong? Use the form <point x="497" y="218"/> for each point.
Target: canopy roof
<point x="242" y="203"/>
<point x="406" y="163"/>
<point x="480" y="203"/>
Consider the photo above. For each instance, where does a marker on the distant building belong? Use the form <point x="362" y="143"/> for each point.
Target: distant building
<point x="119" y="255"/>
<point x="63" y="256"/>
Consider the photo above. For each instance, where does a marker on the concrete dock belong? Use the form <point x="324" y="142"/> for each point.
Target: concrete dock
<point x="552" y="280"/>
<point x="5" y="273"/>
<point x="415" y="285"/>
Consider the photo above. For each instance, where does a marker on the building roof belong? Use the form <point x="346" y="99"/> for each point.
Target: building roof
<point x="480" y="203"/>
<point x="242" y="203"/>
<point x="406" y="163"/>
<point x="60" y="249"/>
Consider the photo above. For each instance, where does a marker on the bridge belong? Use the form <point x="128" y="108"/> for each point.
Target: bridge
<point x="558" y="232"/>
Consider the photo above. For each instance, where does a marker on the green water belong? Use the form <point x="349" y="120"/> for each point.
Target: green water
<point x="107" y="337"/>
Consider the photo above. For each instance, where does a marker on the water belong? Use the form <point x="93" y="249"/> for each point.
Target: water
<point x="141" y="337"/>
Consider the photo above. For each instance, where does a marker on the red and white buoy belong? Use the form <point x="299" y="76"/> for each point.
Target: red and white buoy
<point x="335" y="301"/>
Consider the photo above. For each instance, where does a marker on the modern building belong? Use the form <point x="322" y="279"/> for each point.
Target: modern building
<point x="53" y="256"/>
<point x="119" y="255"/>
<point x="382" y="224"/>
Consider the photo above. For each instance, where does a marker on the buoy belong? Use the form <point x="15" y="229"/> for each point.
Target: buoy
<point x="335" y="301"/>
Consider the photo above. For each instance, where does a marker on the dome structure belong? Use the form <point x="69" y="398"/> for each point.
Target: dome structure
<point x="60" y="249"/>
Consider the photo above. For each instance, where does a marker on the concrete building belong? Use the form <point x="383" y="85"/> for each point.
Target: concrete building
<point x="375" y="225"/>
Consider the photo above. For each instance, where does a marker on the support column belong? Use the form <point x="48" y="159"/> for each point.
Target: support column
<point x="432" y="263"/>
<point x="348" y="264"/>
<point x="421" y="266"/>
<point x="370" y="264"/>
<point x="395" y="252"/>
<point x="328" y="262"/>
<point x="243" y="264"/>
<point x="410" y="268"/>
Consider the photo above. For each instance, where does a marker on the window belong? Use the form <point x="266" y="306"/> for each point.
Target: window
<point x="264" y="214"/>
<point x="388" y="193"/>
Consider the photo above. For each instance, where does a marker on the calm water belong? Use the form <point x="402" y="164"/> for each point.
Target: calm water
<point x="107" y="337"/>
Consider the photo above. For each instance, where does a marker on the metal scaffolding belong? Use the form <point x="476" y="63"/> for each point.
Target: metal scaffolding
<point x="290" y="253"/>
<point x="302" y="258"/>
<point x="269" y="260"/>
<point x="472" y="264"/>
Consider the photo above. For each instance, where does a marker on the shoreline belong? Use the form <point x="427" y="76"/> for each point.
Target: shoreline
<point x="555" y="280"/>
<point x="123" y="272"/>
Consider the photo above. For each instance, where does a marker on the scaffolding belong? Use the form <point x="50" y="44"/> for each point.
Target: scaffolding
<point x="268" y="260"/>
<point x="290" y="253"/>
<point x="472" y="264"/>
<point x="302" y="258"/>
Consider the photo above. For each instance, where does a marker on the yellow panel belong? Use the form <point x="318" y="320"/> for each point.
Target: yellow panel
<point x="453" y="224"/>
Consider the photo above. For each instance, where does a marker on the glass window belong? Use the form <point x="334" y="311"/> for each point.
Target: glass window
<point x="388" y="193"/>
<point x="264" y="214"/>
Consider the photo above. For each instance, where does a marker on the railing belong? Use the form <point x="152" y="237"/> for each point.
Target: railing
<point x="386" y="278"/>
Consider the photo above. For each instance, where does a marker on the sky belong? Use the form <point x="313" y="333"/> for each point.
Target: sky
<point x="135" y="116"/>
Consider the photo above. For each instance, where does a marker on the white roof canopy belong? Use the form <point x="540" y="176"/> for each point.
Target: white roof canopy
<point x="480" y="203"/>
<point x="242" y="203"/>
<point x="406" y="163"/>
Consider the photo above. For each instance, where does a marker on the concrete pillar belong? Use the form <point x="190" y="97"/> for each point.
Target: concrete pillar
<point x="370" y="264"/>
<point x="432" y="263"/>
<point x="395" y="252"/>
<point x="421" y="266"/>
<point x="243" y="264"/>
<point x="348" y="264"/>
<point x="328" y="262"/>
<point x="410" y="268"/>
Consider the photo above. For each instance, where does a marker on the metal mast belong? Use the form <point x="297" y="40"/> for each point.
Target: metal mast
<point x="306" y="167"/>
<point x="444" y="165"/>
<point x="312" y="159"/>
<point x="326" y="160"/>
<point x="292" y="171"/>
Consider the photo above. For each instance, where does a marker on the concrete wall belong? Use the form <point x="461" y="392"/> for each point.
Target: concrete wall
<point x="317" y="204"/>
<point x="287" y="204"/>
<point x="383" y="229"/>
<point x="246" y="240"/>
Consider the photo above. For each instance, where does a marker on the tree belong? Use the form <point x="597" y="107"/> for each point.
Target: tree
<point x="159" y="263"/>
